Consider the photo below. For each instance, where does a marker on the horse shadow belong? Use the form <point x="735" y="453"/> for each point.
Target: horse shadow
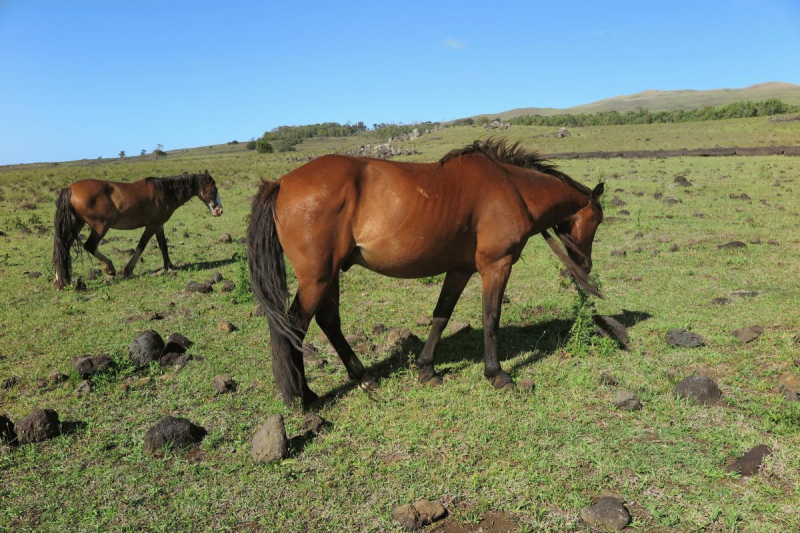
<point x="539" y="340"/>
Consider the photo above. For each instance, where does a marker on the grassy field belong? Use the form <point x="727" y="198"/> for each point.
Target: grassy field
<point x="539" y="456"/>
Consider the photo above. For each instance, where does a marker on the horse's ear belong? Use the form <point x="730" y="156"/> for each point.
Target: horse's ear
<point x="207" y="174"/>
<point x="598" y="191"/>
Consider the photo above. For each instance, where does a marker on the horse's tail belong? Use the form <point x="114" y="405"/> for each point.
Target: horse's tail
<point x="577" y="272"/>
<point x="65" y="223"/>
<point x="268" y="279"/>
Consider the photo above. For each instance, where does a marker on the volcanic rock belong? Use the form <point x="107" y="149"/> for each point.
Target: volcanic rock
<point x="145" y="348"/>
<point x="270" y="443"/>
<point x="177" y="433"/>
<point x="627" y="401"/>
<point x="748" y="334"/>
<point x="699" y="389"/>
<point x="750" y="463"/>
<point x="684" y="339"/>
<point x="608" y="513"/>
<point x="87" y="366"/>
<point x="223" y="383"/>
<point x="40" y="425"/>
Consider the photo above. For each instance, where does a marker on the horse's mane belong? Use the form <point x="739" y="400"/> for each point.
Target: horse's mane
<point x="500" y="151"/>
<point x="180" y="187"/>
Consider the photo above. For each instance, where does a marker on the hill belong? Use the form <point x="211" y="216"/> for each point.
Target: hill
<point x="655" y="100"/>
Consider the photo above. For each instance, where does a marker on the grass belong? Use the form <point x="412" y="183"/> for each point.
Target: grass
<point x="541" y="456"/>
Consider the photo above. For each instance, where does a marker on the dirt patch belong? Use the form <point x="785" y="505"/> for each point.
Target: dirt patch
<point x="492" y="522"/>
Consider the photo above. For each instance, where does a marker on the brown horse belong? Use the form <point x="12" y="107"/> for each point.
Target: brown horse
<point x="473" y="211"/>
<point x="103" y="205"/>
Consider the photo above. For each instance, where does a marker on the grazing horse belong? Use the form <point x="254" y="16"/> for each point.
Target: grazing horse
<point x="104" y="205"/>
<point x="473" y="211"/>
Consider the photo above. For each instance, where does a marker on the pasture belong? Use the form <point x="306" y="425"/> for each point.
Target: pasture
<point x="535" y="458"/>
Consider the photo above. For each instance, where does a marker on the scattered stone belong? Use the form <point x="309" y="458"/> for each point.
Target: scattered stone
<point x="616" y="202"/>
<point x="788" y="382"/>
<point x="398" y="335"/>
<point x="42" y="383"/>
<point x="203" y="288"/>
<point x="270" y="442"/>
<point x="78" y="285"/>
<point x="313" y="424"/>
<point x="144" y="382"/>
<point x="145" y="348"/>
<point x="364" y="348"/>
<point x="94" y="273"/>
<point x="611" y="326"/>
<point x="748" y="334"/>
<point x="379" y="328"/>
<point x="223" y="384"/>
<point x="658" y="196"/>
<point x="720" y="301"/>
<point x="175" y="359"/>
<point x="618" y="253"/>
<point x="424" y="321"/>
<point x="40" y="425"/>
<point x="7" y="434"/>
<point x="669" y="200"/>
<point x="682" y="181"/>
<point x="731" y="245"/>
<point x="608" y="379"/>
<point x="624" y="212"/>
<point x="792" y="396"/>
<point x="57" y="377"/>
<point x="216" y="278"/>
<point x="84" y="388"/>
<point x="742" y="293"/>
<point x="34" y="275"/>
<point x="699" y="389"/>
<point x="228" y="286"/>
<point x="10" y="383"/>
<point x="173" y="432"/>
<point x="526" y="384"/>
<point x="352" y="338"/>
<point x="87" y="366"/>
<point x="674" y="248"/>
<point x="226" y="326"/>
<point x="608" y="513"/>
<point x="627" y="401"/>
<point x="419" y="514"/>
<point x="750" y="463"/>
<point x="225" y="237"/>
<point x="459" y="327"/>
<point x="755" y="241"/>
<point x="684" y="339"/>
<point x="664" y="239"/>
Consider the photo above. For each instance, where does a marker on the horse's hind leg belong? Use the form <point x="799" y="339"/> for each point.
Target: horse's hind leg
<point x="146" y="236"/>
<point x="453" y="286"/>
<point x="91" y="246"/>
<point x="330" y="322"/>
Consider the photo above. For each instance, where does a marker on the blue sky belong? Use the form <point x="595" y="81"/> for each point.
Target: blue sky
<point x="82" y="79"/>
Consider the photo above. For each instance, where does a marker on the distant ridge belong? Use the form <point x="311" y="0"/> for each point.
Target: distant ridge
<point x="655" y="100"/>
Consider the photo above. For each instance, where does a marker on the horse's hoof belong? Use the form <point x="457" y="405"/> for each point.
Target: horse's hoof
<point x="502" y="381"/>
<point x="368" y="384"/>
<point x="310" y="398"/>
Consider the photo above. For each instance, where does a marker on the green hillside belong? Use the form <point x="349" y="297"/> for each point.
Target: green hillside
<point x="667" y="100"/>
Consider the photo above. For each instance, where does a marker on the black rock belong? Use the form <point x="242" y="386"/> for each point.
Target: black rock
<point x="699" y="389"/>
<point x="627" y="401"/>
<point x="145" y="348"/>
<point x="608" y="513"/>
<point x="684" y="339"/>
<point x="223" y="383"/>
<point x="379" y="328"/>
<point x="174" y="359"/>
<point x="203" y="288"/>
<point x="40" y="425"/>
<point x="177" y="433"/>
<point x="732" y="244"/>
<point x="228" y="286"/>
<point x="748" y="334"/>
<point x="87" y="365"/>
<point x="608" y="379"/>
<point x="177" y="343"/>
<point x="313" y="424"/>
<point x="7" y="433"/>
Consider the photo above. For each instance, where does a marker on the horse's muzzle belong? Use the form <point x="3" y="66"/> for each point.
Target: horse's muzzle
<point x="216" y="211"/>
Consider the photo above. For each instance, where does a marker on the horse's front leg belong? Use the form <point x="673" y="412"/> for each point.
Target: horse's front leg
<point x="494" y="276"/>
<point x="146" y="236"/>
<point x="162" y="245"/>
<point x="453" y="286"/>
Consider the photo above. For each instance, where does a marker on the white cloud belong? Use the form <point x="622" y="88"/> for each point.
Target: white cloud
<point x="453" y="44"/>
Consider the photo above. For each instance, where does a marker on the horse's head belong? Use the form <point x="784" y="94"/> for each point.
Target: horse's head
<point x="578" y="231"/>
<point x="208" y="193"/>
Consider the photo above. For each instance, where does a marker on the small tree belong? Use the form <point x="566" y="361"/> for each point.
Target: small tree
<point x="122" y="154"/>
<point x="251" y="144"/>
<point x="144" y="152"/>
<point x="263" y="146"/>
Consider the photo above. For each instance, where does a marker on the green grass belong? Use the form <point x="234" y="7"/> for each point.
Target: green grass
<point x="541" y="455"/>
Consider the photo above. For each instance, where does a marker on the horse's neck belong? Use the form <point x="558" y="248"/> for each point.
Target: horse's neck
<point x="178" y="192"/>
<point x="550" y="201"/>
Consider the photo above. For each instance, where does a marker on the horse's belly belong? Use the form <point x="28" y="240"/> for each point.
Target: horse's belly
<point x="412" y="261"/>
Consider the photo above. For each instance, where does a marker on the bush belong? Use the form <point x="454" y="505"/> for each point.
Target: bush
<point x="263" y="147"/>
<point x="159" y="153"/>
<point x="285" y="145"/>
<point x="251" y="145"/>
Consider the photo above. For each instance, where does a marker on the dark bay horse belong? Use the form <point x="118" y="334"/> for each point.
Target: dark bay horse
<point x="104" y="205"/>
<point x="473" y="211"/>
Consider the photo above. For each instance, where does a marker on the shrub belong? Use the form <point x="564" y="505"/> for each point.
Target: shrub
<point x="251" y="144"/>
<point x="263" y="146"/>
